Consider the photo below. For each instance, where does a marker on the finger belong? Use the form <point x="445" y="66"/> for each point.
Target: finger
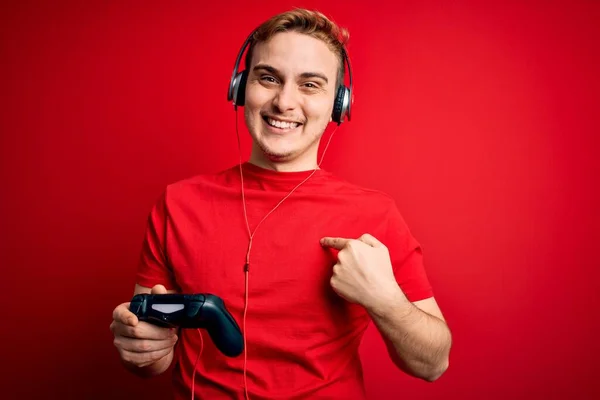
<point x="144" y="345"/>
<point x="123" y="315"/>
<point x="145" y="330"/>
<point x="335" y="242"/>
<point x="158" y="289"/>
<point x="144" y="359"/>
<point x="336" y="269"/>
<point x="370" y="240"/>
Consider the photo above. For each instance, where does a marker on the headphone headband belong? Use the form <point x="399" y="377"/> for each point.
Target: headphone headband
<point x="347" y="60"/>
<point x="230" y="93"/>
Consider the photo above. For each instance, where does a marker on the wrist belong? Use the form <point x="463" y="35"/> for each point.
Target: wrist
<point x="392" y="301"/>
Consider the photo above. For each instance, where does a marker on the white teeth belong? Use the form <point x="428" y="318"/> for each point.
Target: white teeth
<point x="281" y="124"/>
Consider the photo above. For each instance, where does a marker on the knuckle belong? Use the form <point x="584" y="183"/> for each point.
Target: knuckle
<point x="144" y="345"/>
<point x="133" y="331"/>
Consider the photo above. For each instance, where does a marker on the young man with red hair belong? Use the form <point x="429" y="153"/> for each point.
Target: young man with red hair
<point x="323" y="257"/>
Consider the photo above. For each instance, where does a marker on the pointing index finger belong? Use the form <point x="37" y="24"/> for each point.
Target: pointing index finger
<point x="334" y="242"/>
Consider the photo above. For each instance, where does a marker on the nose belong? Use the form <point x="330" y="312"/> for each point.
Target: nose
<point x="286" y="98"/>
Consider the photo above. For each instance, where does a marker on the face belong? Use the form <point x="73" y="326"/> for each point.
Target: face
<point x="289" y="99"/>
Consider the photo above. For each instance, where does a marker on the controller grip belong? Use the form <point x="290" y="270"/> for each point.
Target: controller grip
<point x="222" y="328"/>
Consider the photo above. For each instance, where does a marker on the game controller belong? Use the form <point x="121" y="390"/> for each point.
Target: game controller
<point x="201" y="310"/>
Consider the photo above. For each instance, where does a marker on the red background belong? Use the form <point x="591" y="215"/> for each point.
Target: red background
<point x="480" y="119"/>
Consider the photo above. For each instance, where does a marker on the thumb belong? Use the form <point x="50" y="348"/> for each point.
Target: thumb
<point x="158" y="289"/>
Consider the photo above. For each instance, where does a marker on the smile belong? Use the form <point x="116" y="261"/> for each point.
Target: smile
<point x="284" y="125"/>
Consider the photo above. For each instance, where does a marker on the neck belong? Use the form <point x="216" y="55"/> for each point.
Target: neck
<point x="305" y="162"/>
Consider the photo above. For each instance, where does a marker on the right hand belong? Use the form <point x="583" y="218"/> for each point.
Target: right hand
<point x="140" y="343"/>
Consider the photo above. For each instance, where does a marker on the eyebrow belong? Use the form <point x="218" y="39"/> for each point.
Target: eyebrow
<point x="274" y="71"/>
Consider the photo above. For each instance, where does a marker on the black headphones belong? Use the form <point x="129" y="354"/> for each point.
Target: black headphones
<point x="343" y="97"/>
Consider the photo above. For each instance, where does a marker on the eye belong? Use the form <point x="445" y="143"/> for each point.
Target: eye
<point x="268" y="79"/>
<point x="311" y="85"/>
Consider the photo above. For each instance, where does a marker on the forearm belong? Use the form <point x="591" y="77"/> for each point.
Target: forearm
<point x="151" y="370"/>
<point x="419" y="343"/>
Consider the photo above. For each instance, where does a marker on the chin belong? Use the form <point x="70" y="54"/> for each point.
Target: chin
<point x="275" y="154"/>
<point x="279" y="145"/>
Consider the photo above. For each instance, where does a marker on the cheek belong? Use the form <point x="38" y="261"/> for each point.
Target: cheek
<point x="319" y="111"/>
<point x="256" y="96"/>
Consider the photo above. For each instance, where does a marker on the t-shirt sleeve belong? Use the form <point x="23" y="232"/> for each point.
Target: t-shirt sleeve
<point x="153" y="266"/>
<point x="406" y="255"/>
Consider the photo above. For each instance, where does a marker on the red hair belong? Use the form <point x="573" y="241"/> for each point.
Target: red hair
<point x="311" y="23"/>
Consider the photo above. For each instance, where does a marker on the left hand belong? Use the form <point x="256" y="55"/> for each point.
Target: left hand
<point x="363" y="273"/>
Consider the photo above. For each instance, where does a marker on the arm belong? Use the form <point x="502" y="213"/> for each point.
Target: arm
<point x="416" y="334"/>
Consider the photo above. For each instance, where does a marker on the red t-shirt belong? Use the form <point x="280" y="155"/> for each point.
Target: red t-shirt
<point x="302" y="338"/>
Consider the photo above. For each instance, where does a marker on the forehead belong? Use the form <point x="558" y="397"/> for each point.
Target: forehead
<point x="296" y="53"/>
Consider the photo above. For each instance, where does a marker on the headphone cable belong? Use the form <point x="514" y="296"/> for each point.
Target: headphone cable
<point x="251" y="235"/>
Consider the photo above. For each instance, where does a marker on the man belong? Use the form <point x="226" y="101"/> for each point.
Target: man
<point x="304" y="261"/>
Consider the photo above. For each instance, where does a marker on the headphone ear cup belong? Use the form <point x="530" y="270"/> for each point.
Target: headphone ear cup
<point x="239" y="88"/>
<point x="340" y="105"/>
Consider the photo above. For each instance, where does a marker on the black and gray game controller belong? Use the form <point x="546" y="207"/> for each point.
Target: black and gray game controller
<point x="201" y="310"/>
